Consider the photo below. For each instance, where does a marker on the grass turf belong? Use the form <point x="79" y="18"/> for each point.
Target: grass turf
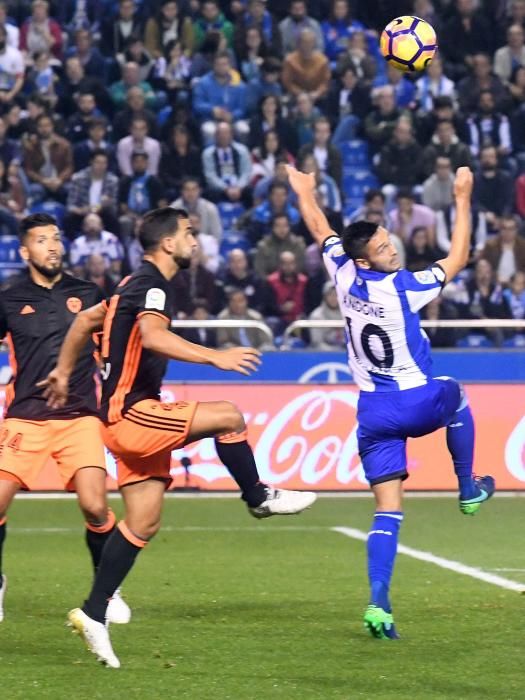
<point x="233" y="608"/>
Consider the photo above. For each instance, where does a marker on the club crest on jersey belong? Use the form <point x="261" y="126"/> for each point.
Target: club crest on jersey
<point x="425" y="277"/>
<point x="155" y="299"/>
<point x="74" y="304"/>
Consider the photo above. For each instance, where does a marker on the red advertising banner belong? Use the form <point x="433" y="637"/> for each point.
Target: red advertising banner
<point x="304" y="436"/>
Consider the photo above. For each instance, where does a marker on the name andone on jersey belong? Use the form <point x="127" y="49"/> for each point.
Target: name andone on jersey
<point x="387" y="348"/>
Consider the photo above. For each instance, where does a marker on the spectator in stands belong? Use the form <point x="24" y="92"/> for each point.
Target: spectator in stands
<point x="261" y="217"/>
<point x="268" y="82"/>
<point x="288" y="286"/>
<point x="327" y="189"/>
<point x="445" y="221"/>
<point x="9" y="148"/>
<point x="374" y="201"/>
<point x="506" y="251"/>
<point x="73" y="82"/>
<point x="466" y="33"/>
<point x="306" y="69"/>
<point x="269" y="118"/>
<point x="266" y="158"/>
<point x="117" y="31"/>
<point x="251" y="52"/>
<point x="520" y="195"/>
<point x="95" y="240"/>
<point x="138" y="192"/>
<point x="93" y="189"/>
<point x="262" y="188"/>
<point x="295" y="23"/>
<point x="133" y="249"/>
<point x="135" y="108"/>
<point x="95" y="271"/>
<point x="401" y="160"/>
<point x="380" y="124"/>
<point x="446" y="144"/>
<point x="193" y="202"/>
<point x="131" y="78"/>
<point x="420" y="251"/>
<point x="11" y="71"/>
<point x="13" y="32"/>
<point x="138" y="141"/>
<point x="482" y="78"/>
<point x="217" y="98"/>
<point x="77" y="14"/>
<point x="493" y="189"/>
<point x="41" y="33"/>
<point x="202" y="336"/>
<point x="96" y="141"/>
<point x="89" y="56"/>
<point x="443" y="111"/>
<point x="404" y="89"/>
<point x="489" y="128"/>
<point x="515" y="14"/>
<point x="238" y="310"/>
<point x="79" y="122"/>
<point x="327" y="338"/>
<point x="211" y="18"/>
<point x="438" y="189"/>
<point x="339" y="28"/>
<point x="237" y="275"/>
<point x="195" y="282"/>
<point x="439" y="309"/>
<point x="514" y="296"/>
<point x="485" y="299"/>
<point x="409" y="216"/>
<point x="172" y="73"/>
<point x="433" y="83"/>
<point x="227" y="168"/>
<point x="305" y="114"/>
<point x="258" y="16"/>
<point x="271" y="246"/>
<point x="136" y="53"/>
<point x="516" y="86"/>
<point x="42" y="78"/>
<point x="508" y="57"/>
<point x="168" y="25"/>
<point x="13" y="198"/>
<point x="48" y="162"/>
<point x="327" y="157"/>
<point x="180" y="159"/>
<point x="209" y="245"/>
<point x="348" y="103"/>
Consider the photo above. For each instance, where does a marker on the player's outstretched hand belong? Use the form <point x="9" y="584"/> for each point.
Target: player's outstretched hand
<point x="300" y="182"/>
<point x="55" y="387"/>
<point x="463" y="183"/>
<point x="243" y="360"/>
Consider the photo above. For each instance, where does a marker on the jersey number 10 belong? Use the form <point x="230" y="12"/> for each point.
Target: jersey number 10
<point x="369" y="331"/>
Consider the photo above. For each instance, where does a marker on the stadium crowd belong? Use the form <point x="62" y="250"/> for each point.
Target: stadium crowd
<point x="110" y="108"/>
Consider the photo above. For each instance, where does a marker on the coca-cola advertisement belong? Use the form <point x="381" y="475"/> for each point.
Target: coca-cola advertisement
<point x="304" y="436"/>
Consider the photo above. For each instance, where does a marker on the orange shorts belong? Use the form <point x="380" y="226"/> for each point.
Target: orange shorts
<point x="26" y="445"/>
<point x="143" y="440"/>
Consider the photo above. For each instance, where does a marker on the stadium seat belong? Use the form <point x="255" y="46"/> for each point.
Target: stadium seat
<point x="517" y="341"/>
<point x="355" y="154"/>
<point x="475" y="340"/>
<point x="233" y="239"/>
<point x="10" y="261"/>
<point x="229" y="214"/>
<point x="356" y="184"/>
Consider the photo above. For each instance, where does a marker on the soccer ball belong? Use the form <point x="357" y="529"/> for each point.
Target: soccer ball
<point x="408" y="43"/>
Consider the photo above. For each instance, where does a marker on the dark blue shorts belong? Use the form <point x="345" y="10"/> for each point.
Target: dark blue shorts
<point x="387" y="419"/>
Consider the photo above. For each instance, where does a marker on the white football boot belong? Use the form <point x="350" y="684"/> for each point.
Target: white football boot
<point x="282" y="502"/>
<point x="118" y="612"/>
<point x="2" y="594"/>
<point x="95" y="636"/>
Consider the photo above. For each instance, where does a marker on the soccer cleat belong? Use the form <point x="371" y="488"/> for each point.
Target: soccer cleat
<point x="2" y="594"/>
<point x="486" y="487"/>
<point x="118" y="611"/>
<point x="281" y="502"/>
<point x="95" y="636"/>
<point x="380" y="623"/>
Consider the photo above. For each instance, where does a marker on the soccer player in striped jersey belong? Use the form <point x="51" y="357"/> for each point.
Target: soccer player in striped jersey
<point x="389" y="355"/>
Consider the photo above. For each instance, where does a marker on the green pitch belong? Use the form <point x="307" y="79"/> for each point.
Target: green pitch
<point x="226" y="607"/>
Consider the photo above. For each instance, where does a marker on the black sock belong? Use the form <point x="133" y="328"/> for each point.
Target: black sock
<point x="98" y="535"/>
<point x="3" y="533"/>
<point x="238" y="458"/>
<point x="117" y="559"/>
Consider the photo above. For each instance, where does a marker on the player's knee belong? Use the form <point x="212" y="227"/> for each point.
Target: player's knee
<point x="233" y="419"/>
<point x="95" y="512"/>
<point x="145" y="529"/>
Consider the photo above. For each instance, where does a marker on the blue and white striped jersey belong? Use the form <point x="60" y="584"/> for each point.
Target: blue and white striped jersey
<point x="387" y="348"/>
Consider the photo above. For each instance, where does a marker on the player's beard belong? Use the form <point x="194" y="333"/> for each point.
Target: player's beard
<point x="48" y="271"/>
<point x="182" y="263"/>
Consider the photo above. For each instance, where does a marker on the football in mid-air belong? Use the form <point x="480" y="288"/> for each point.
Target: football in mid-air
<point x="408" y="43"/>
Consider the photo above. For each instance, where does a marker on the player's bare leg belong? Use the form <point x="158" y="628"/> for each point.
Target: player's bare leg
<point x="143" y="502"/>
<point x="382" y="547"/>
<point x="90" y="485"/>
<point x="223" y="421"/>
<point x="8" y="490"/>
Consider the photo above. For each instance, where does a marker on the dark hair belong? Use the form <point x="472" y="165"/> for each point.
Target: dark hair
<point x="96" y="153"/>
<point x="37" y="220"/>
<point x="97" y="121"/>
<point x="442" y="101"/>
<point x="158" y="224"/>
<point x="356" y="237"/>
<point x="405" y="193"/>
<point x="372" y="193"/>
<point x="277" y="186"/>
<point x="279" y="216"/>
<point x="271" y="64"/>
<point x="139" y="154"/>
<point x="221" y="54"/>
<point x="190" y="178"/>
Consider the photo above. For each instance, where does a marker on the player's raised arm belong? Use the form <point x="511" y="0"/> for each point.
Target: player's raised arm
<point x="303" y="185"/>
<point x="85" y="324"/>
<point x="458" y="256"/>
<point x="156" y="337"/>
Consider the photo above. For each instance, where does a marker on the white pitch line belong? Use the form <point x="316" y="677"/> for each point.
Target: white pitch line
<point x="455" y="566"/>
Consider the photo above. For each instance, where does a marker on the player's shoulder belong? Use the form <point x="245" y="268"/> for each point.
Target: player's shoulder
<point x="76" y="287"/>
<point x="431" y="276"/>
<point x="14" y="285"/>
